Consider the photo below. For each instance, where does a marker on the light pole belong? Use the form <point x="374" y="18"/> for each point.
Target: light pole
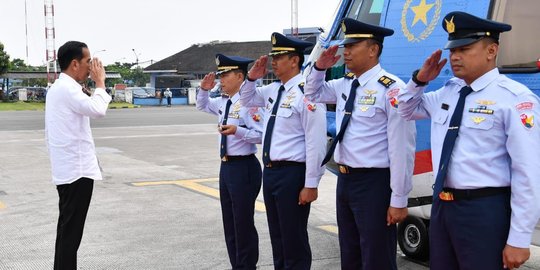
<point x="99" y="52"/>
<point x="136" y="58"/>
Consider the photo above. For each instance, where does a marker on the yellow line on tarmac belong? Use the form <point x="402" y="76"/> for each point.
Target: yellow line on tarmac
<point x="2" y="206"/>
<point x="194" y="184"/>
<point x="329" y="228"/>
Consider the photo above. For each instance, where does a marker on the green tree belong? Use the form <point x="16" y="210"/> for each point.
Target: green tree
<point x="4" y="64"/>
<point x="131" y="76"/>
<point x="18" y="64"/>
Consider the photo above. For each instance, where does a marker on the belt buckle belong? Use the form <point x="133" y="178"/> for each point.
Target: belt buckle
<point x="343" y="169"/>
<point x="225" y="158"/>
<point x="446" y="196"/>
<point x="269" y="165"/>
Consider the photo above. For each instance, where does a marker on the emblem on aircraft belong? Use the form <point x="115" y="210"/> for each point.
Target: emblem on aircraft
<point x="421" y="12"/>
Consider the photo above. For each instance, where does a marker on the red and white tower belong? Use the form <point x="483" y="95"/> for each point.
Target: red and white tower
<point x="294" y="18"/>
<point x="50" y="53"/>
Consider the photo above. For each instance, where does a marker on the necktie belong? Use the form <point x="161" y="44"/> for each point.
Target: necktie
<point x="349" y="106"/>
<point x="223" y="150"/>
<point x="270" y="128"/>
<point x="450" y="141"/>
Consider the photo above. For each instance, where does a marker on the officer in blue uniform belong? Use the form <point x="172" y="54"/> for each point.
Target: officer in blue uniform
<point x="485" y="150"/>
<point x="375" y="147"/>
<point x="240" y="174"/>
<point x="293" y="148"/>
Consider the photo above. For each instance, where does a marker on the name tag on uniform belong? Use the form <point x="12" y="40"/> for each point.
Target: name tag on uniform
<point x="444" y="106"/>
<point x="343" y="96"/>
<point x="270" y="100"/>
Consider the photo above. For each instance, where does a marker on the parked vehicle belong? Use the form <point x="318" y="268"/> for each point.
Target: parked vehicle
<point x="32" y="93"/>
<point x="413" y="41"/>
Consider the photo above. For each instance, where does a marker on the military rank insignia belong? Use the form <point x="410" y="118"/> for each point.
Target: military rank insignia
<point x="349" y="75"/>
<point x="385" y="81"/>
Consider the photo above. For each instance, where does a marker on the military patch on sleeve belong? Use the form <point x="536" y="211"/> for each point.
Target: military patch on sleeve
<point x="385" y="81"/>
<point x="310" y="106"/>
<point x="349" y="75"/>
<point x="525" y="114"/>
<point x="254" y="113"/>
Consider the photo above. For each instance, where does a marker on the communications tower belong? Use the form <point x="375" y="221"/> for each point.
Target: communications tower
<point x="294" y="18"/>
<point x="50" y="53"/>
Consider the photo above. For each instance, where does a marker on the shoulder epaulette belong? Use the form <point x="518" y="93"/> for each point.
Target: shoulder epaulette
<point x="301" y="86"/>
<point x="349" y="75"/>
<point x="385" y="81"/>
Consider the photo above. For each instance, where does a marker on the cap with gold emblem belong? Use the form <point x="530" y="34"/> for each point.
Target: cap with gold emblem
<point x="227" y="63"/>
<point x="356" y="31"/>
<point x="464" y="29"/>
<point x="282" y="44"/>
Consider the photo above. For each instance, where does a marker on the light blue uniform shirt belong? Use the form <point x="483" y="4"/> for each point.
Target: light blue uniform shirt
<point x="376" y="137"/>
<point x="300" y="129"/>
<point x="497" y="145"/>
<point x="247" y="120"/>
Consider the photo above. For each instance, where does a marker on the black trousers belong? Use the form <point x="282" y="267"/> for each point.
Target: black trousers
<point x="469" y="234"/>
<point x="362" y="201"/>
<point x="239" y="185"/>
<point x="74" y="200"/>
<point x="287" y="221"/>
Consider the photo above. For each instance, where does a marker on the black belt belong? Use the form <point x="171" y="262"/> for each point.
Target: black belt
<point x="344" y="169"/>
<point x="235" y="158"/>
<point x="284" y="163"/>
<point x="452" y="194"/>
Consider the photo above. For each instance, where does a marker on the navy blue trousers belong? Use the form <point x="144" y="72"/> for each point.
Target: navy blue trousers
<point x="362" y="201"/>
<point x="287" y="221"/>
<point x="239" y="185"/>
<point x="469" y="234"/>
<point x="74" y="201"/>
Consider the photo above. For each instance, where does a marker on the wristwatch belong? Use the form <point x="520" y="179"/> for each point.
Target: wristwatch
<point x="415" y="80"/>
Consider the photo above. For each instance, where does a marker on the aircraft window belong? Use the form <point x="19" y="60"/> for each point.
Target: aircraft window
<point x="368" y="11"/>
<point x="519" y="48"/>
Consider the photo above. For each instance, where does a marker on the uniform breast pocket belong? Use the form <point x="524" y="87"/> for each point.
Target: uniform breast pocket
<point x="283" y="112"/>
<point x="475" y="121"/>
<point x="365" y="110"/>
<point x="441" y="117"/>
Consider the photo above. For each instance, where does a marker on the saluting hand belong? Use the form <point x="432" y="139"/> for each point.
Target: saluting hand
<point x="432" y="67"/>
<point x="258" y="70"/>
<point x="307" y="195"/>
<point x="514" y="257"/>
<point x="97" y="73"/>
<point x="209" y="81"/>
<point x="328" y="58"/>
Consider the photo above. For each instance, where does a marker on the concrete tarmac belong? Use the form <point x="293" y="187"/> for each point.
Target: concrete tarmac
<point x="157" y="206"/>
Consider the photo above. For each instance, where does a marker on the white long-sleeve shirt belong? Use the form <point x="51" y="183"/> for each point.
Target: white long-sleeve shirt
<point x="67" y="129"/>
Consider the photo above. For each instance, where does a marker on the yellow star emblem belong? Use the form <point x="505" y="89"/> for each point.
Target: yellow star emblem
<point x="420" y="12"/>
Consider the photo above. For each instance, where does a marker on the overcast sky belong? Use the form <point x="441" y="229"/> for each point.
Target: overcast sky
<point x="154" y="28"/>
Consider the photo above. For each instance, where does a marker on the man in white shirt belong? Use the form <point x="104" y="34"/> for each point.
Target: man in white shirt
<point x="74" y="164"/>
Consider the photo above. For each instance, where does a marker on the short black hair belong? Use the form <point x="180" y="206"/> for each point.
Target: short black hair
<point x="300" y="60"/>
<point x="379" y="43"/>
<point x="71" y="50"/>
